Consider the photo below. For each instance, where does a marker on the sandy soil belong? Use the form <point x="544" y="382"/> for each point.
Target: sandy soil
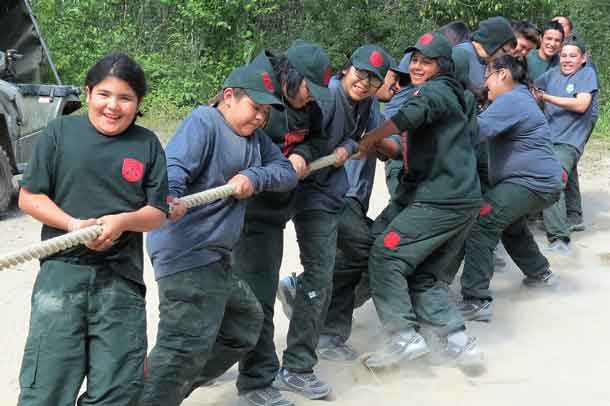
<point x="543" y="347"/>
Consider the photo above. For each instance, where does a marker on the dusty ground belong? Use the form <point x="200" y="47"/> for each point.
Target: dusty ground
<point x="546" y="348"/>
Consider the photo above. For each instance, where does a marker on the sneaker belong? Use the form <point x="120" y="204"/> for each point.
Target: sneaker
<point x="559" y="247"/>
<point x="286" y="292"/>
<point x="308" y="385"/>
<point x="476" y="309"/>
<point x="499" y="261"/>
<point x="333" y="348"/>
<point x="403" y="345"/>
<point x="576" y="225"/>
<point x="461" y="350"/>
<point x="269" y="396"/>
<point x="544" y="280"/>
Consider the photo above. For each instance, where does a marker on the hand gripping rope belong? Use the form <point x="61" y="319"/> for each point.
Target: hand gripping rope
<point x="82" y="236"/>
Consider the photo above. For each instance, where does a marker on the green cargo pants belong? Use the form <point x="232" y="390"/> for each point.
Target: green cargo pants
<point x="86" y="321"/>
<point x="317" y="237"/>
<point x="257" y="258"/>
<point x="503" y="216"/>
<point x="556" y="217"/>
<point x="208" y="320"/>
<point x="354" y="242"/>
<point x="411" y="265"/>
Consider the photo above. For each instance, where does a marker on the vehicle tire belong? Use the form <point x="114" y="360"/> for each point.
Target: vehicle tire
<point x="6" y="181"/>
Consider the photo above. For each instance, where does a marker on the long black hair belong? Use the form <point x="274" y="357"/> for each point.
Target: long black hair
<point x="289" y="77"/>
<point x="515" y="65"/>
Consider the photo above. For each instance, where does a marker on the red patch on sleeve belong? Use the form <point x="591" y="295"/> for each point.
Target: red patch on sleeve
<point x="376" y="59"/>
<point x="391" y="240"/>
<point x="267" y="82"/>
<point x="426" y="39"/>
<point x="485" y="209"/>
<point x="328" y="72"/>
<point x="133" y="170"/>
<point x="564" y="176"/>
<point x="292" y="138"/>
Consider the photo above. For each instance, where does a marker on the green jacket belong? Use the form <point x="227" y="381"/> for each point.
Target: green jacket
<point x="440" y="153"/>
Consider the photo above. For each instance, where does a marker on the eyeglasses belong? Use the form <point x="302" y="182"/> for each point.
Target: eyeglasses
<point x="490" y="74"/>
<point x="373" y="80"/>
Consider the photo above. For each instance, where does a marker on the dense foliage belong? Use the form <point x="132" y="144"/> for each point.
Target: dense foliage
<point x="188" y="46"/>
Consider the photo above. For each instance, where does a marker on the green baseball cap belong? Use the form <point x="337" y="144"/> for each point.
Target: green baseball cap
<point x="372" y="58"/>
<point x="311" y="61"/>
<point x="258" y="82"/>
<point x="395" y="67"/>
<point x="432" y="45"/>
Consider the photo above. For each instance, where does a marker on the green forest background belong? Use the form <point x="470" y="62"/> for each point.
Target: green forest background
<point x="187" y="47"/>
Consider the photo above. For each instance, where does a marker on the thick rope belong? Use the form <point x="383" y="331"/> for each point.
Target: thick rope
<point x="74" y="238"/>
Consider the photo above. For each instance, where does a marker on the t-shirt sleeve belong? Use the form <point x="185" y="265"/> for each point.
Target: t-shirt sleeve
<point x="499" y="117"/>
<point x="423" y="108"/>
<point x="585" y="81"/>
<point x="156" y="184"/>
<point x="186" y="152"/>
<point x="39" y="175"/>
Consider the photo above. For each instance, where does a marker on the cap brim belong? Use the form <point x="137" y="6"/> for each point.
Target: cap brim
<point x="265" y="98"/>
<point x="318" y="92"/>
<point x="368" y="68"/>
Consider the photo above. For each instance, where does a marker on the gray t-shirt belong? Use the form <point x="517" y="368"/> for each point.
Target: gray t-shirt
<point x="205" y="153"/>
<point x="519" y="139"/>
<point x="568" y="127"/>
<point x="477" y="66"/>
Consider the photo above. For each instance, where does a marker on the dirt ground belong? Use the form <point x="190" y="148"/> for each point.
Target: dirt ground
<point x="542" y="347"/>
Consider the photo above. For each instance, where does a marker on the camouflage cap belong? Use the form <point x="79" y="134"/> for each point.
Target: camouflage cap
<point x="311" y="61"/>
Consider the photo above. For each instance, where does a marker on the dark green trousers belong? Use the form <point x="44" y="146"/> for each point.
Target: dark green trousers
<point x="86" y="321"/>
<point x="258" y="258"/>
<point x="503" y="216"/>
<point x="317" y="237"/>
<point x="354" y="242"/>
<point x="573" y="197"/>
<point x="556" y="216"/>
<point x="411" y="265"/>
<point x="208" y="320"/>
<point x="392" y="175"/>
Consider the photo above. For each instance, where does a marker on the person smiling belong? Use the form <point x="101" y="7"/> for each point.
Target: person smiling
<point x="568" y="92"/>
<point x="420" y="233"/>
<point x="88" y="316"/>
<point x="546" y="57"/>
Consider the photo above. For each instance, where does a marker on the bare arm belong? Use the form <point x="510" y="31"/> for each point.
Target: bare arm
<point x="578" y="104"/>
<point x="43" y="209"/>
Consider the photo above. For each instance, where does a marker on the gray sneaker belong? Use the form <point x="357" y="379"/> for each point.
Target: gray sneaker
<point x="333" y="348"/>
<point x="308" y="385"/>
<point x="462" y="351"/>
<point x="401" y="346"/>
<point x="269" y="396"/>
<point x="544" y="280"/>
<point x="559" y="247"/>
<point x="286" y="292"/>
<point x="476" y="309"/>
<point x="576" y="225"/>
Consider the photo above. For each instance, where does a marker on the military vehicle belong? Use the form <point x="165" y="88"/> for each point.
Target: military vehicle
<point x="27" y="103"/>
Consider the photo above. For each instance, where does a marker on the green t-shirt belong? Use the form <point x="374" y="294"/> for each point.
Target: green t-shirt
<point x="89" y="175"/>
<point x="536" y="66"/>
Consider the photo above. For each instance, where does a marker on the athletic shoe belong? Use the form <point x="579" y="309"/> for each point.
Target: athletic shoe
<point x="461" y="350"/>
<point x="333" y="348"/>
<point x="476" y="309"/>
<point x="544" y="280"/>
<point x="286" y="293"/>
<point x="401" y="346"/>
<point x="499" y="260"/>
<point x="576" y="225"/>
<point x="269" y="396"/>
<point x="308" y="385"/>
<point x="559" y="247"/>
